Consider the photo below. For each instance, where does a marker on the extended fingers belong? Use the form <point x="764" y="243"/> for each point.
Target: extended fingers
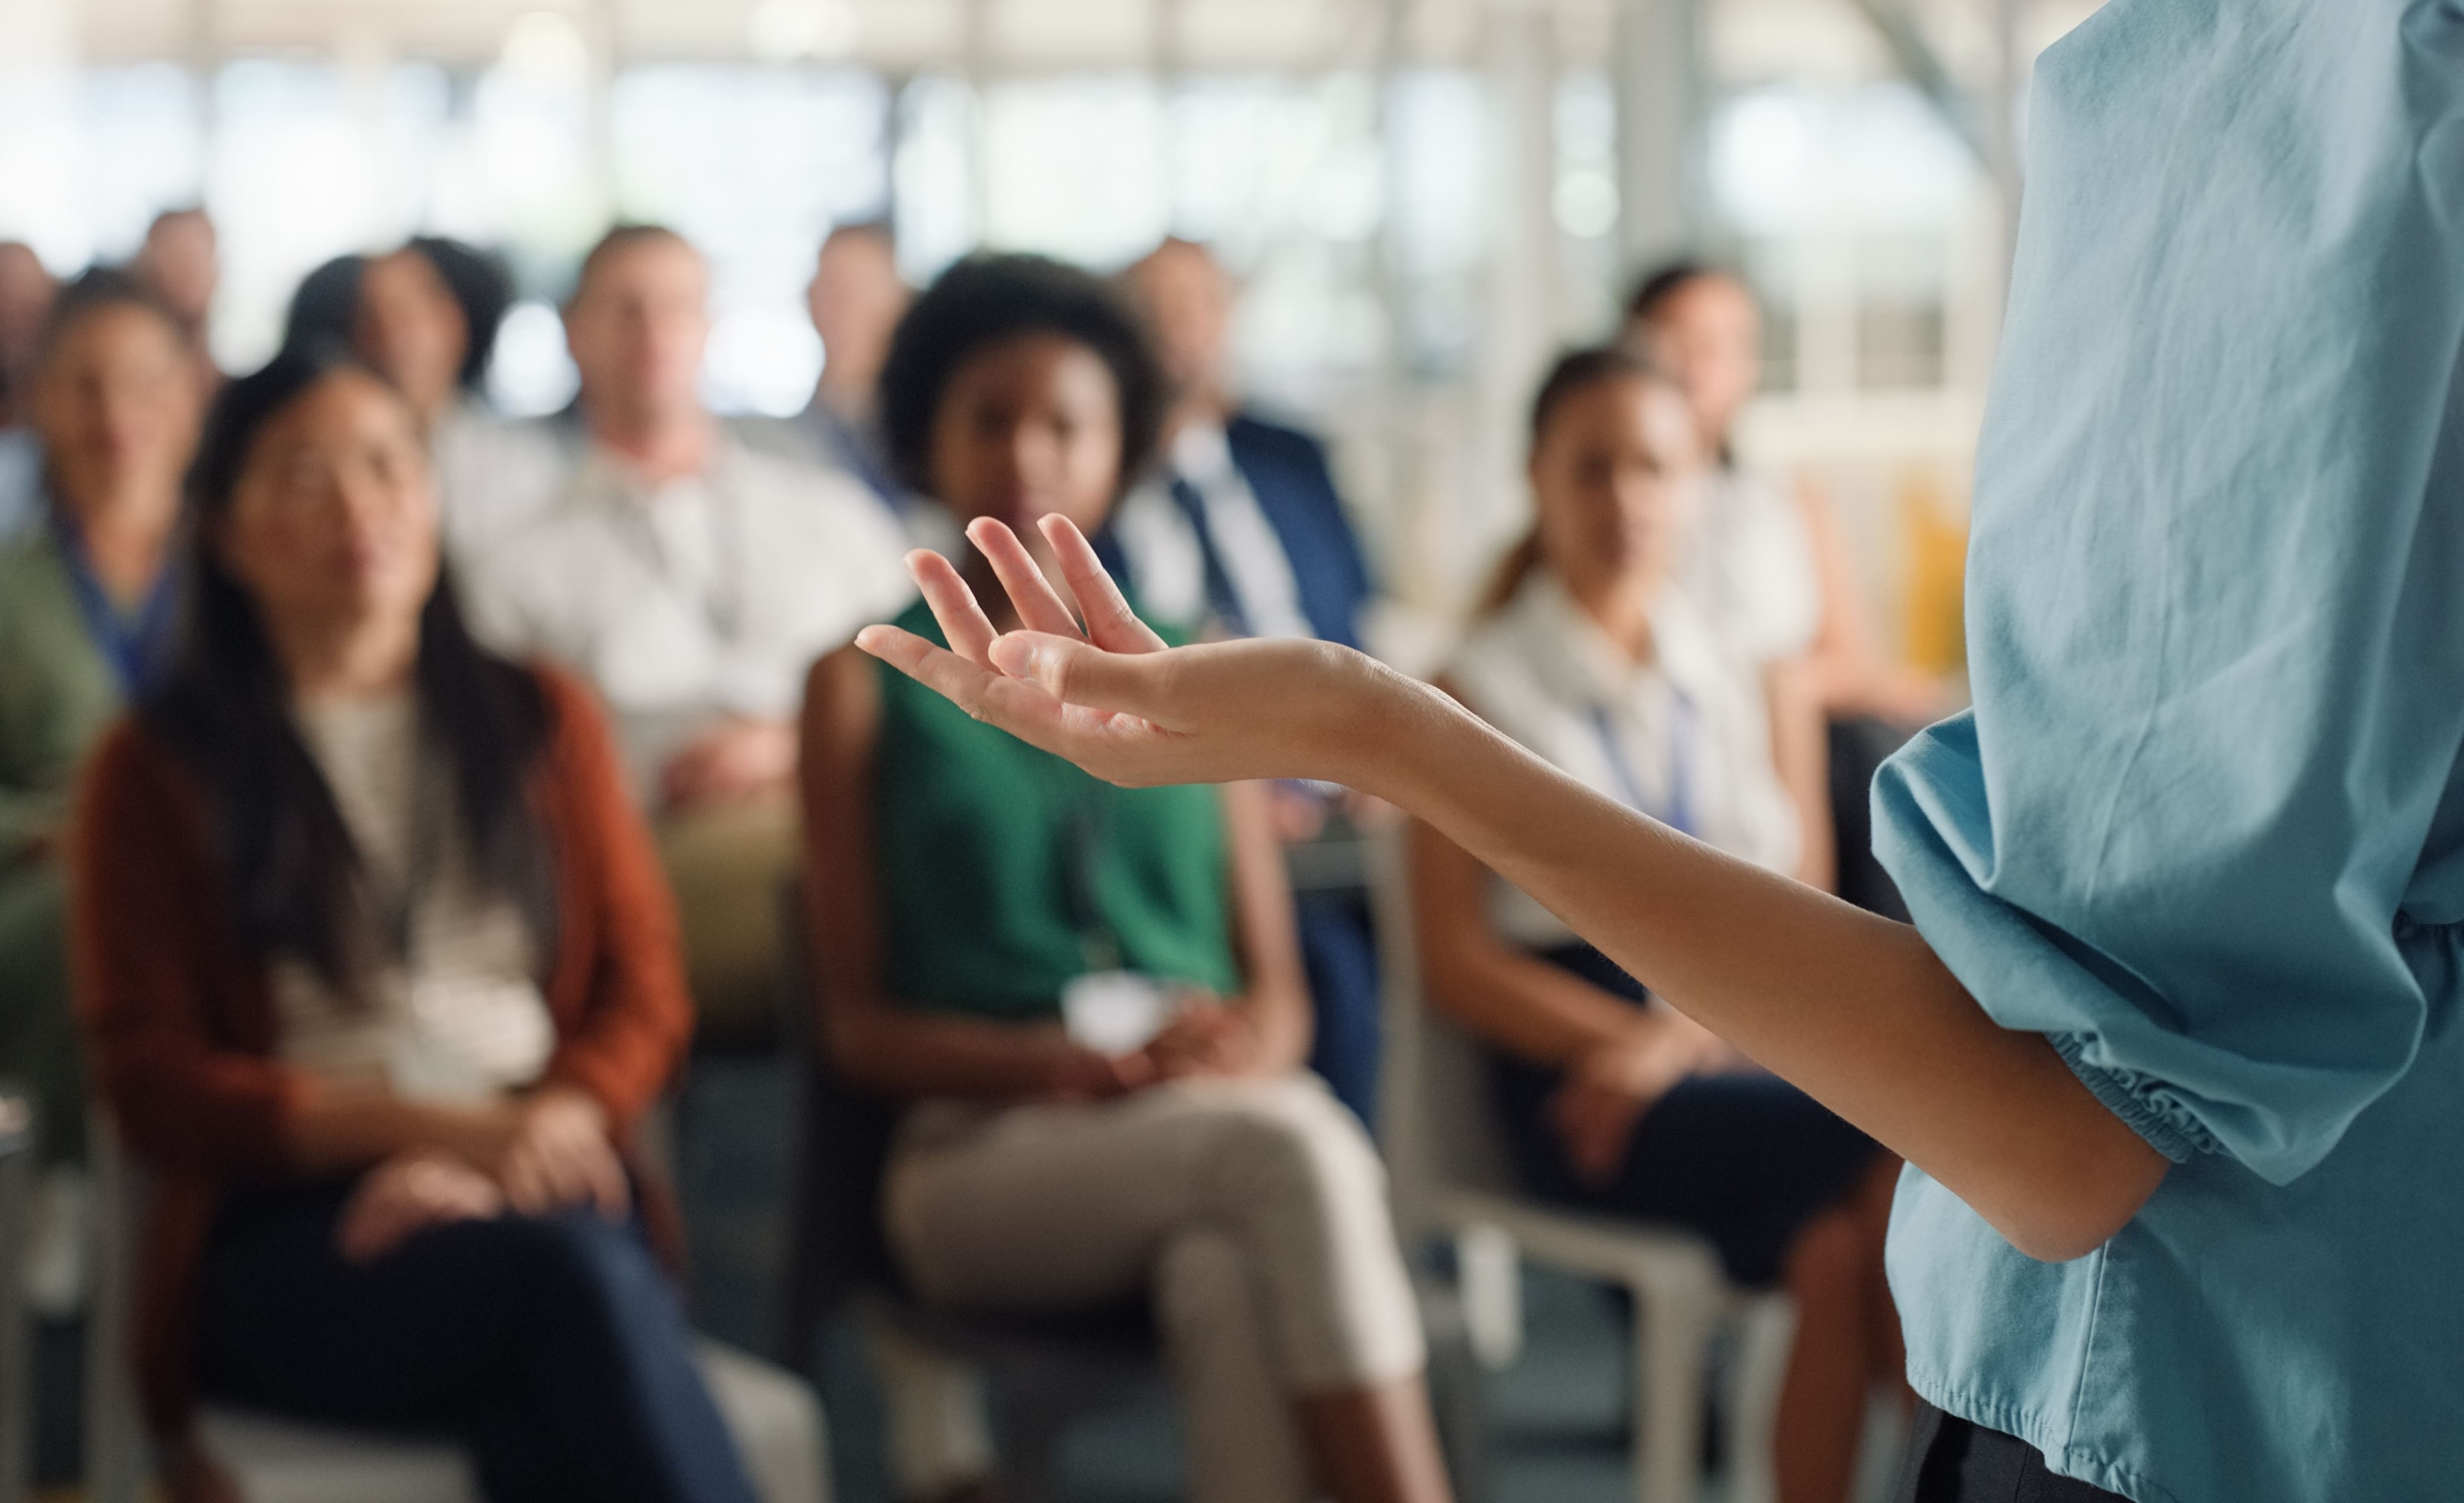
<point x="964" y="621"/>
<point x="1111" y="623"/>
<point x="1039" y="609"/>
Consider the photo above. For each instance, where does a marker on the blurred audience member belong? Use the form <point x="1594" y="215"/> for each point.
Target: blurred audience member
<point x="1093" y="995"/>
<point x="1769" y="566"/>
<point x="326" y="305"/>
<point x="87" y="608"/>
<point x="426" y="317"/>
<point x="377" y="974"/>
<point x="1611" y="1102"/>
<point x="181" y="261"/>
<point x="26" y="292"/>
<point x="693" y="582"/>
<point x="1244" y="525"/>
<point x="856" y="298"/>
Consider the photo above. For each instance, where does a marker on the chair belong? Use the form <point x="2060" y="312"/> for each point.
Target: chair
<point x="16" y="1354"/>
<point x="774" y="1417"/>
<point x="1052" y="1373"/>
<point x="1452" y="1177"/>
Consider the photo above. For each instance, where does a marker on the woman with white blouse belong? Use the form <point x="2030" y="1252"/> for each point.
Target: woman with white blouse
<point x="1588" y="655"/>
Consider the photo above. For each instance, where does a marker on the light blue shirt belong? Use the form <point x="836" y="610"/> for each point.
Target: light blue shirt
<point x="2205" y="827"/>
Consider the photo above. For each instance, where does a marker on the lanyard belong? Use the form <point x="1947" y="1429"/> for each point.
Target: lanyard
<point x="1678" y="815"/>
<point x="136" y="645"/>
<point x="722" y="592"/>
<point x="396" y="904"/>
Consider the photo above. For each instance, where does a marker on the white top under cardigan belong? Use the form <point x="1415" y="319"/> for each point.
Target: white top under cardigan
<point x="461" y="1017"/>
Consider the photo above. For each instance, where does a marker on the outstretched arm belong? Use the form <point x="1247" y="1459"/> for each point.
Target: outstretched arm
<point x="1854" y="1009"/>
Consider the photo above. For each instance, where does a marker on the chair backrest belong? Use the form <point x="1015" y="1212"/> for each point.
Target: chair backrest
<point x="119" y="1457"/>
<point x="835" y="1242"/>
<point x="1438" y="1121"/>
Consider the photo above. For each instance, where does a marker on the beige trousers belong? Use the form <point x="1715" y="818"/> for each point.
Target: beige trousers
<point x="726" y="864"/>
<point x="1252" y="1213"/>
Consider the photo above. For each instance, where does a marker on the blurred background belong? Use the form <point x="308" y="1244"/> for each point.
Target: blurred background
<point x="1423" y="198"/>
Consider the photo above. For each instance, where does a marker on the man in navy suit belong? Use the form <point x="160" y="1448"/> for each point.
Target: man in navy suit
<point x="1244" y="526"/>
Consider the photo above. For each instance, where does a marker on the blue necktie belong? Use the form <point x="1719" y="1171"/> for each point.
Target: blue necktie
<point x="1221" y="597"/>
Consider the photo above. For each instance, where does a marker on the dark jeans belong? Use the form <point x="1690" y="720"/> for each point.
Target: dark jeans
<point x="1745" y="1159"/>
<point x="1952" y="1461"/>
<point x="552" y="1348"/>
<point x="1341" y="955"/>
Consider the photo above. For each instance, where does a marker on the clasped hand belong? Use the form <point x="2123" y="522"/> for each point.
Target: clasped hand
<point x="546" y="1152"/>
<point x="1205" y="1037"/>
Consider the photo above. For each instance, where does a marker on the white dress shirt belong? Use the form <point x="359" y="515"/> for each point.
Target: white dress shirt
<point x="698" y="600"/>
<point x="495" y="476"/>
<point x="1686" y="737"/>
<point x="1168" y="562"/>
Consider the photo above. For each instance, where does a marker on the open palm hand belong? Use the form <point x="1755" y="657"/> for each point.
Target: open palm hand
<point x="1097" y="686"/>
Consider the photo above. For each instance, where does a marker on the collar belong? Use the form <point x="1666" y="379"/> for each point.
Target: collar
<point x="1579" y="662"/>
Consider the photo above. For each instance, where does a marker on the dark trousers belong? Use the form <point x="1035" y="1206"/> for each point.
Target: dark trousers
<point x="1952" y="1461"/>
<point x="1340" y="952"/>
<point x="552" y="1348"/>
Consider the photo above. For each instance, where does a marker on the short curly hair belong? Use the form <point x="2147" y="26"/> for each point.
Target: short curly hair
<point x="991" y="300"/>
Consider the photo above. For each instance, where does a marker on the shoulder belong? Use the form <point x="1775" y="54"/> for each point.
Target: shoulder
<point x="32" y="576"/>
<point x="1256" y="433"/>
<point x="133" y="771"/>
<point x="1494" y="666"/>
<point x="576" y="720"/>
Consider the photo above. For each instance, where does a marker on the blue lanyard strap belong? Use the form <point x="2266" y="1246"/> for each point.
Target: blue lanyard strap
<point x="1679" y="813"/>
<point x="136" y="645"/>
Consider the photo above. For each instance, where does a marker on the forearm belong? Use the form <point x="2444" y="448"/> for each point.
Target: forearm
<point x="337" y="1131"/>
<point x="1525" y="1006"/>
<point x="1854" y="1009"/>
<point x="916" y="1054"/>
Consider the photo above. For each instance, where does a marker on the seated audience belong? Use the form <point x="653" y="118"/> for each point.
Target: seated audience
<point x="1769" y="567"/>
<point x="426" y="317"/>
<point x="378" y="975"/>
<point x="1613" y="1103"/>
<point x="692" y="581"/>
<point x="856" y="298"/>
<point x="1244" y="525"/>
<point x="88" y="601"/>
<point x="1091" y="996"/>
<point x="26" y="292"/>
<point x="180" y="263"/>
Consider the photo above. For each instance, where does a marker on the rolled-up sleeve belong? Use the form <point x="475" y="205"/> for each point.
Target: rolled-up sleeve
<point x="2214" y="626"/>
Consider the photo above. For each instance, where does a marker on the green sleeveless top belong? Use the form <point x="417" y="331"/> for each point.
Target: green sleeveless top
<point x="1005" y="872"/>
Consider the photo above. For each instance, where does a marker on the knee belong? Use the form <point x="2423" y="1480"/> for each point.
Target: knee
<point x="1201" y="1287"/>
<point x="1831" y="1262"/>
<point x="1292" y="1144"/>
<point x="577" y="1263"/>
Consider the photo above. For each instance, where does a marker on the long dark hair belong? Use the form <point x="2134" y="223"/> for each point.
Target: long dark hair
<point x="1576" y="372"/>
<point x="225" y="709"/>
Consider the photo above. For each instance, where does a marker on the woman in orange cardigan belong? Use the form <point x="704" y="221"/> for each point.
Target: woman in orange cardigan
<point x="377" y="973"/>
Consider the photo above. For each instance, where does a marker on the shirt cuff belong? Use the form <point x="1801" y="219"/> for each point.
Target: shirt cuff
<point x="2147" y="1106"/>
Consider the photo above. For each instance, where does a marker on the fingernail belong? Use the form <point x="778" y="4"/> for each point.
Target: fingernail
<point x="1013" y="654"/>
<point x="872" y="639"/>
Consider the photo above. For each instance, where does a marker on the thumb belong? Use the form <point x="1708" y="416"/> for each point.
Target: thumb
<point x="1080" y="674"/>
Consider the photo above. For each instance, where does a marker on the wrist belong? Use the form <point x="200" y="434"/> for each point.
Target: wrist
<point x="1367" y="716"/>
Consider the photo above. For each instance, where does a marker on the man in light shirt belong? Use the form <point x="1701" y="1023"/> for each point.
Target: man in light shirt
<point x="693" y="582"/>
